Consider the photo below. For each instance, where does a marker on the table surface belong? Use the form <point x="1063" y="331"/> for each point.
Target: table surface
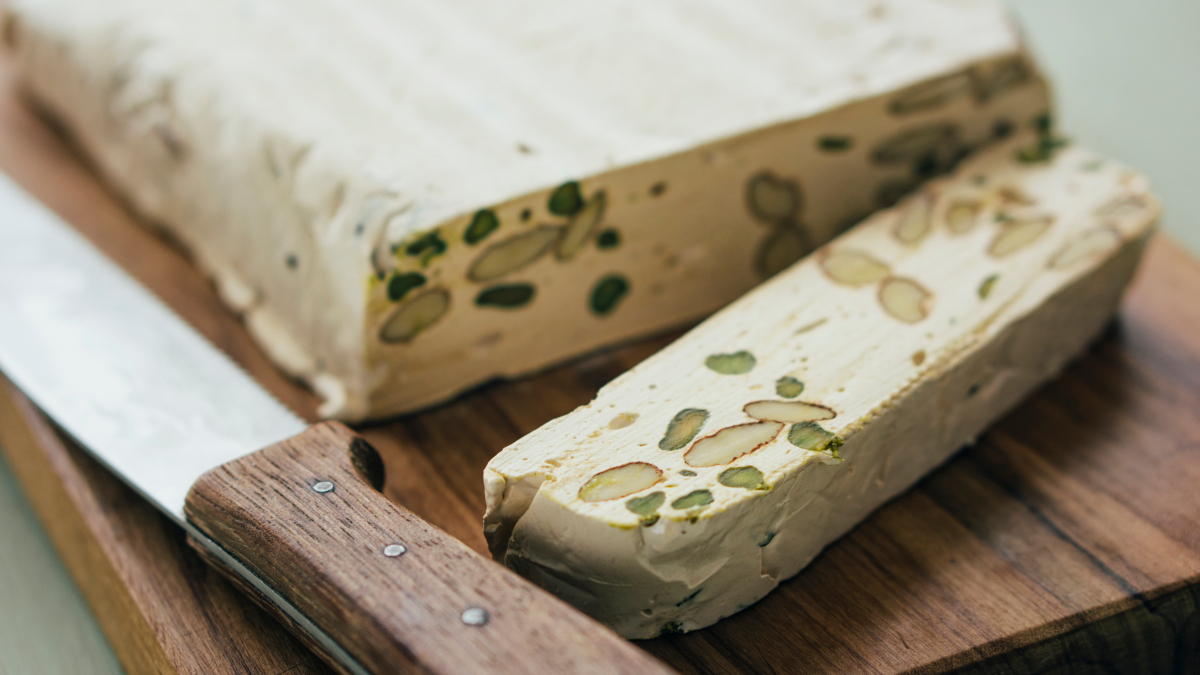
<point x="1110" y="62"/>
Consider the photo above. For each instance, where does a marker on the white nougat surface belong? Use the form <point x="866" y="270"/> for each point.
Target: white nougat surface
<point x="696" y="482"/>
<point x="342" y="168"/>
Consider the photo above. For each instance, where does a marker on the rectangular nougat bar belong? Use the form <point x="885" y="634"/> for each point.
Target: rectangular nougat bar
<point x="405" y="199"/>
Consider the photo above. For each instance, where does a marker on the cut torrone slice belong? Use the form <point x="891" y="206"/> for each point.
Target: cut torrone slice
<point x="897" y="374"/>
<point x="531" y="190"/>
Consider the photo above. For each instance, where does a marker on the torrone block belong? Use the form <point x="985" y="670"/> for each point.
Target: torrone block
<point x="696" y="482"/>
<point x="407" y="198"/>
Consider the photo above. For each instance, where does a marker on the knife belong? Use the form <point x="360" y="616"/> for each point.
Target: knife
<point x="293" y="511"/>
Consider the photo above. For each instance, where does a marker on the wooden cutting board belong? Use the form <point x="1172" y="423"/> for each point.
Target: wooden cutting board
<point x="1067" y="540"/>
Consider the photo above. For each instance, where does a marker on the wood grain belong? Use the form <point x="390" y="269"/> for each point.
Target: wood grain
<point x="323" y="549"/>
<point x="1067" y="540"/>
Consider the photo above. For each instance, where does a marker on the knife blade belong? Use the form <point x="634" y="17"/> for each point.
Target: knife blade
<point x="293" y="510"/>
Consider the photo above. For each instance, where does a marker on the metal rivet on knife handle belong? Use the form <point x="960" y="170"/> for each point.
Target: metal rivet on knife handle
<point x="337" y="545"/>
<point x="473" y="616"/>
<point x="323" y="487"/>
<point x="394" y="550"/>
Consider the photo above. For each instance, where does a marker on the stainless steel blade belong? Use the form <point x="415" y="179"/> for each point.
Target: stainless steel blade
<point x="114" y="367"/>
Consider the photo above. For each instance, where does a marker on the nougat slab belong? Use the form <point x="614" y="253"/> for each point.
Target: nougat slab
<point x="405" y="199"/>
<point x="696" y="482"/>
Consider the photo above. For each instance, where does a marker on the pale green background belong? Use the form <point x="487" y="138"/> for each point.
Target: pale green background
<point x="1127" y="82"/>
<point x="45" y="627"/>
<point x="1127" y="77"/>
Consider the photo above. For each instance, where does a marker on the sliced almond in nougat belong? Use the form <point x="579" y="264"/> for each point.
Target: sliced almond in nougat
<point x="505" y="257"/>
<point x="549" y="200"/>
<point x="904" y="299"/>
<point x="1018" y="233"/>
<point x="962" y="215"/>
<point x="620" y="481"/>
<point x="787" y="411"/>
<point x="415" y="316"/>
<point x="906" y="350"/>
<point x="576" y="234"/>
<point x="730" y="443"/>
<point x="915" y="220"/>
<point x="848" y="266"/>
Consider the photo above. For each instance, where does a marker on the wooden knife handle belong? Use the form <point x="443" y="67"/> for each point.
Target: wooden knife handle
<point x="398" y="594"/>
